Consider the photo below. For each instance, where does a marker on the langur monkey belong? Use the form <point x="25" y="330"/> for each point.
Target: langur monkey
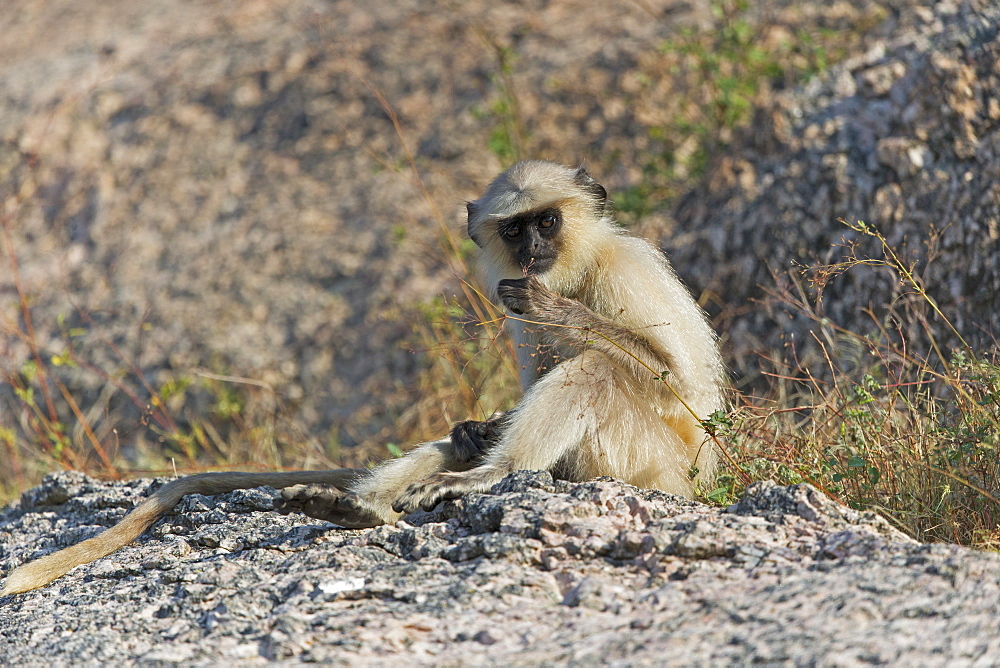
<point x="618" y="364"/>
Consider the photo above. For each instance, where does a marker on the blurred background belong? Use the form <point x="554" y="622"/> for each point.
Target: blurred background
<point x="233" y="232"/>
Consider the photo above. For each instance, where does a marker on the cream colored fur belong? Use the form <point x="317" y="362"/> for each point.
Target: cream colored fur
<point x="602" y="411"/>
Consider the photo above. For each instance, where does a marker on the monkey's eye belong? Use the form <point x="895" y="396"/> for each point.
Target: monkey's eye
<point x="547" y="220"/>
<point x="512" y="232"/>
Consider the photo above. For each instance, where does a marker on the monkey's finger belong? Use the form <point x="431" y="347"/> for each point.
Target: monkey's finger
<point x="414" y="497"/>
<point x="464" y="441"/>
<point x="430" y="504"/>
<point x="514" y="298"/>
<point x="515" y="283"/>
<point x="402" y="506"/>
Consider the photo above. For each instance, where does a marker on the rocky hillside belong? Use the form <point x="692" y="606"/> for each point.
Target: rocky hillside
<point x="905" y="136"/>
<point x="533" y="572"/>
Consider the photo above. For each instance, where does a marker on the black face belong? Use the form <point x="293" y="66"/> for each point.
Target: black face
<point x="532" y="238"/>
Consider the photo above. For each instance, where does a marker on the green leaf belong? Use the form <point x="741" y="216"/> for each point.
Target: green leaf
<point x="27" y="395"/>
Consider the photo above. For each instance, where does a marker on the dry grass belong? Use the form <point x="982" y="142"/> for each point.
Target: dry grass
<point x="195" y="420"/>
<point x="912" y="434"/>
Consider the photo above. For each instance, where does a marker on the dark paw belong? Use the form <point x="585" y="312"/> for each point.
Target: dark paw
<point x="424" y="495"/>
<point x="520" y="295"/>
<point x="328" y="503"/>
<point x="472" y="439"/>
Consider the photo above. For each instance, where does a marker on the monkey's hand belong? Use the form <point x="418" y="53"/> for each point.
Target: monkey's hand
<point x="525" y="295"/>
<point x="472" y="439"/>
<point x="326" y="502"/>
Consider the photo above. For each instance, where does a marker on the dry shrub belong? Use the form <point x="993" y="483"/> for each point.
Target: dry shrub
<point x="878" y="425"/>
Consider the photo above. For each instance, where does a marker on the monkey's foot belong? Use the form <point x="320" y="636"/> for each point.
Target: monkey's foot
<point x="329" y="503"/>
<point x="426" y="494"/>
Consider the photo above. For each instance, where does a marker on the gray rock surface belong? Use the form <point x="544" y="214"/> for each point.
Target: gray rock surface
<point x="535" y="571"/>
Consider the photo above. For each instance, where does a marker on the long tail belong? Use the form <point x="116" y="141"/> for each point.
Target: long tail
<point x="43" y="571"/>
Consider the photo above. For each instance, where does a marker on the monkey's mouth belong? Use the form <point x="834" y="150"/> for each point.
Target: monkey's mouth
<point x="536" y="265"/>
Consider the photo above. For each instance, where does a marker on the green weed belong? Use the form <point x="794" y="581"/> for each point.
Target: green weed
<point x="719" y="76"/>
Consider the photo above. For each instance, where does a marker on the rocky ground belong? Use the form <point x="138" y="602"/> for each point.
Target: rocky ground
<point x="533" y="572"/>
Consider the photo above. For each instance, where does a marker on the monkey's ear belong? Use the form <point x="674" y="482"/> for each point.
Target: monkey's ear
<point x="470" y="208"/>
<point x="586" y="181"/>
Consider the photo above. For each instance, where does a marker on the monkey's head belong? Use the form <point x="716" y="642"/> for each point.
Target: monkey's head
<point x="540" y="219"/>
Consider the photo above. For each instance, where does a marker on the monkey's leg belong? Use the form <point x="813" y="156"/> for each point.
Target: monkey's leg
<point x="352" y="498"/>
<point x="367" y="502"/>
<point x="42" y="571"/>
<point x="562" y="411"/>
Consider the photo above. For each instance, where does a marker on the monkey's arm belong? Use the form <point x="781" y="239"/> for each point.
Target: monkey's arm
<point x="534" y="359"/>
<point x="43" y="571"/>
<point x="579" y="326"/>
